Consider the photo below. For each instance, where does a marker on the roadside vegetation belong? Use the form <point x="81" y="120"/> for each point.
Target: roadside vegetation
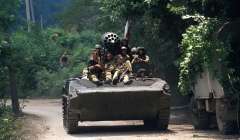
<point x="210" y="44"/>
<point x="8" y="125"/>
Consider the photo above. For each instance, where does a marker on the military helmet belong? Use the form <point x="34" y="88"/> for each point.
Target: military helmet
<point x="140" y="48"/>
<point x="97" y="46"/>
<point x="134" y="50"/>
<point x="123" y="48"/>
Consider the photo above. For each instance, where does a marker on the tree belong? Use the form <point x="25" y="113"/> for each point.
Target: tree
<point x="8" y="10"/>
<point x="81" y="15"/>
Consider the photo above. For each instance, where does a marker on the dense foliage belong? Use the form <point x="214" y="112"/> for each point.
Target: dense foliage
<point x="36" y="57"/>
<point x="8" y="12"/>
<point x="81" y="15"/>
<point x="205" y="47"/>
<point x="200" y="50"/>
<point x="49" y="82"/>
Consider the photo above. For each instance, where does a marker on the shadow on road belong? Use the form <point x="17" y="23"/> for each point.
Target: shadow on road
<point x="93" y="131"/>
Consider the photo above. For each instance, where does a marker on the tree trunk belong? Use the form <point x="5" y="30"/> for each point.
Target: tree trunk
<point x="32" y="11"/>
<point x="13" y="91"/>
<point x="28" y="14"/>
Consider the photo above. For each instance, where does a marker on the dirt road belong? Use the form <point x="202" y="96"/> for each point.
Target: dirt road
<point x="44" y="122"/>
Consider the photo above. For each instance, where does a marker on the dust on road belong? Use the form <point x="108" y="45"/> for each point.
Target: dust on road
<point x="44" y="122"/>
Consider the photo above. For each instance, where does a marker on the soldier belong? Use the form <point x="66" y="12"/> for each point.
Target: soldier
<point x="85" y="74"/>
<point x="109" y="68"/>
<point x="141" y="56"/>
<point x="124" y="53"/>
<point x="94" y="69"/>
<point x="124" y="42"/>
<point x="134" y="54"/>
<point x="98" y="50"/>
<point x="126" y="58"/>
<point x="122" y="71"/>
<point x="141" y="61"/>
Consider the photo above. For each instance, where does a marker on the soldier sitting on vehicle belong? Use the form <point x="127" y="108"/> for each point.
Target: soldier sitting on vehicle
<point x="142" y="56"/>
<point x="98" y="50"/>
<point x="134" y="54"/>
<point x="124" y="53"/>
<point x="122" y="71"/>
<point x="126" y="58"/>
<point x="85" y="74"/>
<point x="94" y="69"/>
<point x="141" y="61"/>
<point x="109" y="68"/>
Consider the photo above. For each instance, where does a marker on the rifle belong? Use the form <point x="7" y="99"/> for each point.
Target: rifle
<point x="134" y="59"/>
<point x="122" y="75"/>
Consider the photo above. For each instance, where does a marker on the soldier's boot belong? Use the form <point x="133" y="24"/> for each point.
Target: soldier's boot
<point x="85" y="74"/>
<point x="115" y="77"/>
<point x="95" y="80"/>
<point x="108" y="77"/>
<point x="126" y="80"/>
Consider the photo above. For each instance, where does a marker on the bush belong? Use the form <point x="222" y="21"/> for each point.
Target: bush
<point x="8" y="125"/>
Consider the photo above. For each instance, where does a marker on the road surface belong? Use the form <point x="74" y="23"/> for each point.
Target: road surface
<point x="43" y="121"/>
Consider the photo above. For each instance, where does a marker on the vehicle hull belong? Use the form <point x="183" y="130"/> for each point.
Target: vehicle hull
<point x="131" y="105"/>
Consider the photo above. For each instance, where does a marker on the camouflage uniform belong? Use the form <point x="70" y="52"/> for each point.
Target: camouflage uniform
<point x="85" y="74"/>
<point x="98" y="52"/>
<point x="141" y="61"/>
<point x="142" y="58"/>
<point x="94" y="71"/>
<point x="95" y="68"/>
<point x="122" y="71"/>
<point x="124" y="53"/>
<point x="109" y="68"/>
<point x="133" y="54"/>
<point x="126" y="59"/>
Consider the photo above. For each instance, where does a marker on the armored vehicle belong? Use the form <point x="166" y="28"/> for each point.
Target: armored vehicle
<point x="211" y="103"/>
<point x="146" y="99"/>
